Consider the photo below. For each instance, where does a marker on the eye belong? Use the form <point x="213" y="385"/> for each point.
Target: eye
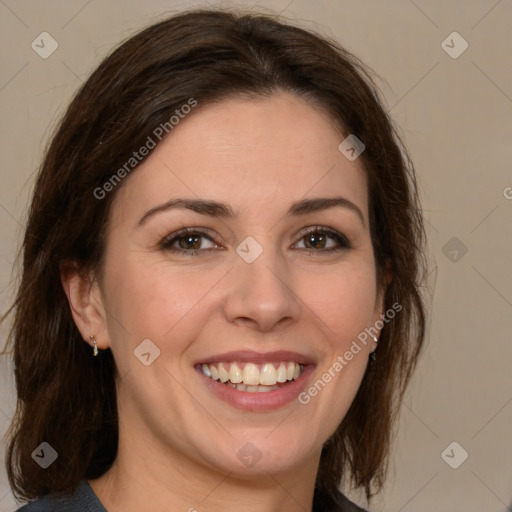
<point x="187" y="241"/>
<point x="316" y="240"/>
<point x="194" y="242"/>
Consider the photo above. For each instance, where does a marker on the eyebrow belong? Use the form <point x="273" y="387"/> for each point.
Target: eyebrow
<point x="216" y="209"/>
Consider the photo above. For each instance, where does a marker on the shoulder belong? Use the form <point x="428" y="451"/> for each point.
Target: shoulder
<point x="349" y="506"/>
<point x="324" y="502"/>
<point x="82" y="499"/>
<point x="41" y="505"/>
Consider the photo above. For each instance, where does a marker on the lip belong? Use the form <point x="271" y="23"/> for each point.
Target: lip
<point x="249" y="356"/>
<point x="258" y="402"/>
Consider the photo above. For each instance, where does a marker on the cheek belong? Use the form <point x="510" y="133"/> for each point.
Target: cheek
<point x="154" y="300"/>
<point x="343" y="300"/>
<point x="343" y="303"/>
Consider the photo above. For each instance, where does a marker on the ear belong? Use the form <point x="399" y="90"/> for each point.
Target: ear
<point x="86" y="303"/>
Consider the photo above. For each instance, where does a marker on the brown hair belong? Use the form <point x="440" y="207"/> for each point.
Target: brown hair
<point x="65" y="396"/>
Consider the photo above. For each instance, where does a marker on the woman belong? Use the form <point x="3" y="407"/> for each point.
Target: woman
<point x="223" y="231"/>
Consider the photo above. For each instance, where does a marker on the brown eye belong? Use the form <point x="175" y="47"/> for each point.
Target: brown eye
<point x="187" y="241"/>
<point x="324" y="240"/>
<point x="315" y="241"/>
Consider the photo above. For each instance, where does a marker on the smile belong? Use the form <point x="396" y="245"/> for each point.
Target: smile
<point x="254" y="381"/>
<point x="251" y="377"/>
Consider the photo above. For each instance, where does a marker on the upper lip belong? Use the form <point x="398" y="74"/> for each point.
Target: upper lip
<point x="249" y="356"/>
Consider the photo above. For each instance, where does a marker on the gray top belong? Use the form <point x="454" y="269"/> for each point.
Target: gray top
<point x="82" y="500"/>
<point x="85" y="500"/>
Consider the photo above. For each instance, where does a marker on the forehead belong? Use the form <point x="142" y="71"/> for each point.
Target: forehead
<point x="253" y="154"/>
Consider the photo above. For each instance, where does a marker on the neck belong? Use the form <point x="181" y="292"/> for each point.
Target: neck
<point x="145" y="474"/>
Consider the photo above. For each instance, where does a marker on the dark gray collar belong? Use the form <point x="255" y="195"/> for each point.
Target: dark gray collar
<point x="82" y="500"/>
<point x="85" y="500"/>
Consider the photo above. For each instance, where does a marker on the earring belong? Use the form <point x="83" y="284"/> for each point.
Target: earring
<point x="373" y="356"/>
<point x="95" y="349"/>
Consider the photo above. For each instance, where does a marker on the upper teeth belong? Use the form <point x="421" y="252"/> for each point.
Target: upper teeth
<point x="267" y="374"/>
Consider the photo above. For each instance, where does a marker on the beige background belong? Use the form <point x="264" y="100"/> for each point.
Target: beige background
<point x="456" y="117"/>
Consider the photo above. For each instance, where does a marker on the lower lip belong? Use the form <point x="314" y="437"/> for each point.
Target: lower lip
<point x="259" y="401"/>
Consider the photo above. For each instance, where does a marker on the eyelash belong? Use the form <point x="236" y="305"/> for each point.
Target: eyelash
<point x="167" y="242"/>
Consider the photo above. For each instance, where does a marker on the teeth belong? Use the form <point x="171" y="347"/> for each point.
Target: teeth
<point x="214" y="372"/>
<point x="223" y="373"/>
<point x="268" y="375"/>
<point x="251" y="375"/>
<point x="235" y="374"/>
<point x="253" y="378"/>
<point x="206" y="370"/>
<point x="262" y="389"/>
<point x="290" y="371"/>
<point x="282" y="374"/>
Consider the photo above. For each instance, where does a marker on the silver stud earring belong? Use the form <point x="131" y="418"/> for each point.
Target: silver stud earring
<point x="95" y="349"/>
<point x="373" y="356"/>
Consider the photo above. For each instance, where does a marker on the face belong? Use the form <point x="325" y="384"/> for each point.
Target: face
<point x="269" y="287"/>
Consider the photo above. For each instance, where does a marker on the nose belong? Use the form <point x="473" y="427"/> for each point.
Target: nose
<point x="261" y="294"/>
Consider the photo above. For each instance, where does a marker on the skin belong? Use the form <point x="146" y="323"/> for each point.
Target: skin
<point x="178" y="442"/>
